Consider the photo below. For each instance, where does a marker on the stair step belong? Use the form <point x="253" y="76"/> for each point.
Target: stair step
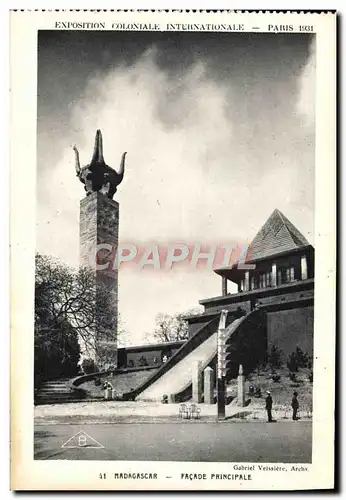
<point x="55" y="385"/>
<point x="63" y="393"/>
<point x="48" y="400"/>
<point x="56" y="391"/>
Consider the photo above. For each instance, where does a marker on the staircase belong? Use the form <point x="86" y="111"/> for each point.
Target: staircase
<point x="57" y="391"/>
<point x="175" y="376"/>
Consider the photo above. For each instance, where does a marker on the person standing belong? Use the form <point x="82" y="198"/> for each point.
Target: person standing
<point x="295" y="406"/>
<point x="269" y="405"/>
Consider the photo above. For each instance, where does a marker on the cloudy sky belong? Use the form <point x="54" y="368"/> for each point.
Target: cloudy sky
<point x="219" y="130"/>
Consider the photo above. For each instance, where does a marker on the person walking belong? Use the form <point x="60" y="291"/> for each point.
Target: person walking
<point x="269" y="405"/>
<point x="295" y="406"/>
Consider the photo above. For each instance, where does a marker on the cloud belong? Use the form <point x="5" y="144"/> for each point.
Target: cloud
<point x="306" y="103"/>
<point x="192" y="173"/>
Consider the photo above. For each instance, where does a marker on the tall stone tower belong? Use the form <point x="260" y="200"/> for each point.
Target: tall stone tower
<point x="99" y="232"/>
<point x="99" y="226"/>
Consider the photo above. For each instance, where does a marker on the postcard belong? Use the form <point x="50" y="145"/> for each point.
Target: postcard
<point x="173" y="250"/>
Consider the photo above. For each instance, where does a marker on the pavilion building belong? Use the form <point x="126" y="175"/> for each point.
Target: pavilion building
<point x="276" y="277"/>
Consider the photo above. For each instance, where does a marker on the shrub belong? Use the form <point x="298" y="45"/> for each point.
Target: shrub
<point x="275" y="357"/>
<point x="298" y="359"/>
<point x="302" y="358"/>
<point x="275" y="377"/>
<point x="97" y="381"/>
<point x="292" y="363"/>
<point x="88" y="366"/>
<point x="143" y="361"/>
<point x="292" y="376"/>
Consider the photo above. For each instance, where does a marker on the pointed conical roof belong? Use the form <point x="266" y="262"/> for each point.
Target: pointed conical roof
<point x="277" y="235"/>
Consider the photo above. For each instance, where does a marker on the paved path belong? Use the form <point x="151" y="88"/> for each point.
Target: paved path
<point x="191" y="441"/>
<point x="132" y="412"/>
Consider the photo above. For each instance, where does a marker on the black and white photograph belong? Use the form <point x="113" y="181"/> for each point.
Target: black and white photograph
<point x="174" y="260"/>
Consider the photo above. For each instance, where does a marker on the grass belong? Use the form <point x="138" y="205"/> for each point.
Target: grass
<point x="122" y="383"/>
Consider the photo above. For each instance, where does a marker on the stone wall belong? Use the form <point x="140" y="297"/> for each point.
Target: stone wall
<point x="153" y="357"/>
<point x="133" y="356"/>
<point x="290" y="328"/>
<point x="196" y="325"/>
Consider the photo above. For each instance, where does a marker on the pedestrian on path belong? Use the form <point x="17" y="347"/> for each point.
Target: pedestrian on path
<point x="269" y="405"/>
<point x="295" y="406"/>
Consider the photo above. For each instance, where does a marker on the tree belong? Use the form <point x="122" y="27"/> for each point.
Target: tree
<point x="123" y="337"/>
<point x="172" y="328"/>
<point x="56" y="352"/>
<point x="88" y="366"/>
<point x="69" y="309"/>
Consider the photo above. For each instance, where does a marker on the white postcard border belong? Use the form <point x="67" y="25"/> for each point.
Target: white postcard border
<point x="84" y="475"/>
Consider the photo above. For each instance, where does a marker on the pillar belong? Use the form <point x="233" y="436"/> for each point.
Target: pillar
<point x="241" y="387"/>
<point x="196" y="382"/>
<point x="247" y="281"/>
<point x="274" y="274"/>
<point x="99" y="224"/>
<point x="209" y="386"/>
<point x="303" y="267"/>
<point x="224" y="285"/>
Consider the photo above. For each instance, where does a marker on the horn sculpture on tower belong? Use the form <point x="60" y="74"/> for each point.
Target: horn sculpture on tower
<point x="97" y="176"/>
